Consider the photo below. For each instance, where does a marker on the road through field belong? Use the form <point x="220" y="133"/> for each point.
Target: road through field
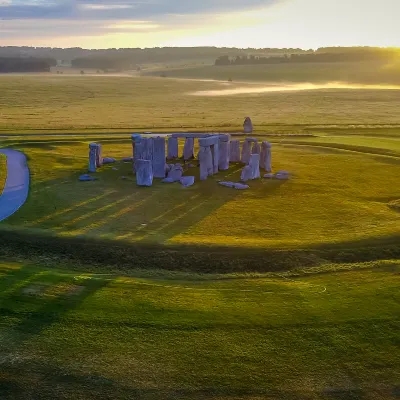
<point x="16" y="188"/>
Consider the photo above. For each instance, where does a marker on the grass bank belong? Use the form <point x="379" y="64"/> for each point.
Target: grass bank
<point x="3" y="172"/>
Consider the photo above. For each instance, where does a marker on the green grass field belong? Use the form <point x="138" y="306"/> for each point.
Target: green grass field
<point x="54" y="103"/>
<point x="75" y="335"/>
<point x="3" y="172"/>
<point x="286" y="291"/>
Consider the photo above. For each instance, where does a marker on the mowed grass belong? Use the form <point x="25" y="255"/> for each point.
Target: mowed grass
<point x="3" y="172"/>
<point x="76" y="335"/>
<point x="338" y="195"/>
<point x="58" y="103"/>
<point x="362" y="72"/>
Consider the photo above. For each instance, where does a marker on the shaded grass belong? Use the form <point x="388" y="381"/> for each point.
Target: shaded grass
<point x="78" y="104"/>
<point x="3" y="172"/>
<point x="316" y="337"/>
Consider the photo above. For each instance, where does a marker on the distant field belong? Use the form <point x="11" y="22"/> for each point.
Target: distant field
<point x="81" y="335"/>
<point x="3" y="172"/>
<point x="58" y="103"/>
<point x="364" y="72"/>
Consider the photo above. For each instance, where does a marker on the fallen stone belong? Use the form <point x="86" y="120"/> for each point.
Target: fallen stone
<point x="168" y="180"/>
<point x="187" y="181"/>
<point x="241" y="186"/>
<point x="227" y="184"/>
<point x="247" y="174"/>
<point x="109" y="160"/>
<point x="176" y="173"/>
<point x="269" y="176"/>
<point x="86" y="178"/>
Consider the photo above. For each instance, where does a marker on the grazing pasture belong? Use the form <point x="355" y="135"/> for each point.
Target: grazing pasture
<point x="3" y="172"/>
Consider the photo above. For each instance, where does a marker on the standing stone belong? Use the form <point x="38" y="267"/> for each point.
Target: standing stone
<point x="99" y="156"/>
<point x="266" y="156"/>
<point x="144" y="173"/>
<point x="176" y="172"/>
<point x="159" y="157"/>
<point x="136" y="138"/>
<point x="246" y="152"/>
<point x="172" y="148"/>
<point x="234" y="155"/>
<point x="224" y="156"/>
<point x="215" y="155"/>
<point x="254" y="164"/>
<point x="256" y="148"/>
<point x="247" y="125"/>
<point x="206" y="162"/>
<point x="92" y="157"/>
<point x="188" y="149"/>
<point x="148" y="147"/>
<point x="246" y="173"/>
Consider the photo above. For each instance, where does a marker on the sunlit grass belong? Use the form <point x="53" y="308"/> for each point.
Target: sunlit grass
<point x="94" y="336"/>
<point x="3" y="172"/>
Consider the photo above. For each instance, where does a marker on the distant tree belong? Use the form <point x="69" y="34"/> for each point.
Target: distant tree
<point x="82" y="72"/>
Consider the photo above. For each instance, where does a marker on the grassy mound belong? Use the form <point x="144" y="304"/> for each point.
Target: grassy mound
<point x="76" y="335"/>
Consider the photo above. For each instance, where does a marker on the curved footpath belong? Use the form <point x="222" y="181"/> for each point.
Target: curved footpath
<point x="16" y="188"/>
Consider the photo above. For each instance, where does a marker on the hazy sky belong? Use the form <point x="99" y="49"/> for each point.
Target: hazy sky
<point x="239" y="23"/>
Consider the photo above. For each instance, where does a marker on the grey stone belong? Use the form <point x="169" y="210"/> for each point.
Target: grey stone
<point x="269" y="176"/>
<point x="176" y="173"/>
<point x="215" y="155"/>
<point x="92" y="157"/>
<point x="86" y="178"/>
<point x="188" y="149"/>
<point x="168" y="180"/>
<point x="282" y="175"/>
<point x="144" y="173"/>
<point x="227" y="184"/>
<point x="159" y="157"/>
<point x="234" y="153"/>
<point x="251" y="139"/>
<point x="209" y="141"/>
<point x="266" y="157"/>
<point x="241" y="186"/>
<point x="246" y="174"/>
<point x="187" y="181"/>
<point x="255" y="166"/>
<point x="246" y="152"/>
<point x="248" y="125"/>
<point x="99" y="156"/>
<point x="127" y="159"/>
<point x="206" y="162"/>
<point x="256" y="148"/>
<point x="109" y="160"/>
<point x="172" y="148"/>
<point x="224" y="148"/>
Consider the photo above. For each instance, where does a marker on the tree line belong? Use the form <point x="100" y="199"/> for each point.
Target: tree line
<point x="18" y="64"/>
<point x="320" y="55"/>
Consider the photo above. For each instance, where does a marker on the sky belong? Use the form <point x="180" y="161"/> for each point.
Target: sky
<point x="223" y="23"/>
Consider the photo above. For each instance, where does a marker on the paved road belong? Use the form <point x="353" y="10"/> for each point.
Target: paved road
<point x="16" y="188"/>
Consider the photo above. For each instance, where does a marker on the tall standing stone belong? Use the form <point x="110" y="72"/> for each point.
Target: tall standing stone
<point x="246" y="152"/>
<point x="224" y="150"/>
<point x="172" y="148"/>
<point x="266" y="156"/>
<point x="256" y="148"/>
<point x="234" y="155"/>
<point x="99" y="156"/>
<point x="247" y="125"/>
<point x="92" y="157"/>
<point x="215" y="155"/>
<point x="147" y="149"/>
<point x="144" y="173"/>
<point x="254" y="164"/>
<point x="206" y="162"/>
<point x="159" y="157"/>
<point x="136" y="138"/>
<point x="188" y="149"/>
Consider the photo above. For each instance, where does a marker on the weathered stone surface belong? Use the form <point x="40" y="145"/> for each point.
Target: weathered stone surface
<point x="144" y="173"/>
<point x="282" y="175"/>
<point x="188" y="149"/>
<point x="234" y="154"/>
<point x="251" y="140"/>
<point x="266" y="157"/>
<point x="215" y="155"/>
<point x="247" y="125"/>
<point x="168" y="167"/>
<point x="269" y="176"/>
<point x="92" y="157"/>
<point x="223" y="137"/>
<point x="227" y="184"/>
<point x="147" y="148"/>
<point x="187" y="181"/>
<point x="246" y="152"/>
<point x="109" y="160"/>
<point x="255" y="166"/>
<point x="206" y="162"/>
<point x="246" y="174"/>
<point x="159" y="157"/>
<point x="256" y="148"/>
<point x="168" y="180"/>
<point x="172" y="148"/>
<point x="209" y="141"/>
<point x="99" y="156"/>
<point x="86" y="178"/>
<point x="176" y="173"/>
<point x="224" y="148"/>
<point x="241" y="186"/>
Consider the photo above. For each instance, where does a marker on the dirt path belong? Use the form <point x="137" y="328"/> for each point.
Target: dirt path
<point x="16" y="188"/>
